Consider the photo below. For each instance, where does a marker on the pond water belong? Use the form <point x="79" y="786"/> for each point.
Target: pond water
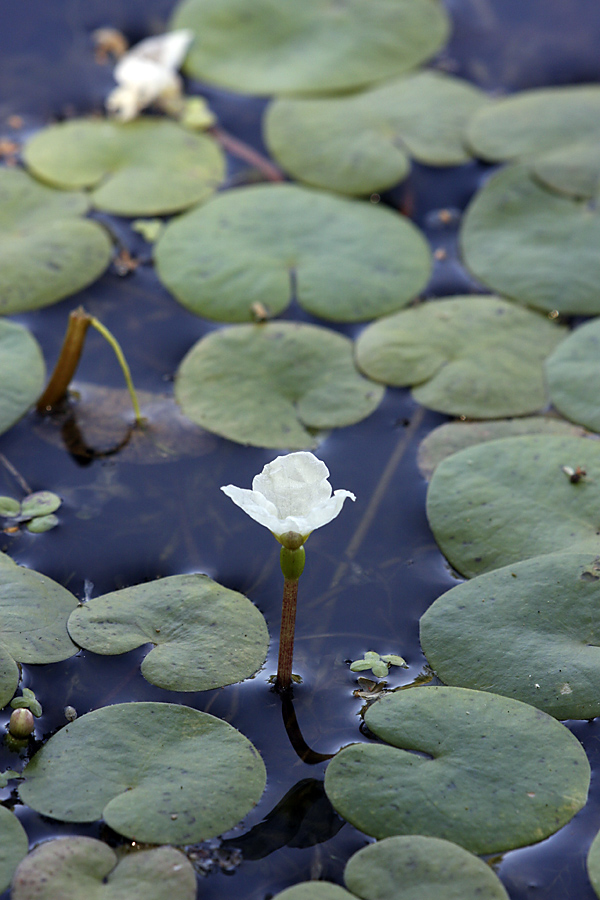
<point x="369" y="576"/>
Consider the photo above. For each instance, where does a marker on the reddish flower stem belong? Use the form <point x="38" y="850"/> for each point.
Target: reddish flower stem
<point x="248" y="154"/>
<point x="286" y="635"/>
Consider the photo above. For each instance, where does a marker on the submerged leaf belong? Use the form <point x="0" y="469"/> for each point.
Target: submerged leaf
<point x="75" y="868"/>
<point x="204" y="635"/>
<point x="363" y="142"/>
<point x="492" y="773"/>
<point x="317" y="46"/>
<point x="528" y="631"/>
<point x="274" y="385"/>
<point x="405" y="868"/>
<point x="47" y="249"/>
<point x="342" y="259"/>
<point x="533" y="245"/>
<point x="163" y="773"/>
<point x="474" y="356"/>
<point x="143" y="168"/>
<point x="510" y="499"/>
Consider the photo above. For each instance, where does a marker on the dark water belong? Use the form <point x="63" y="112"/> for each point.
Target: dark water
<point x="370" y="574"/>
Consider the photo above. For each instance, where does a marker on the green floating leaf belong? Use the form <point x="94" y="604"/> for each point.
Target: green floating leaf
<point x="317" y="46"/>
<point x="163" y="773"/>
<point x="554" y="129"/>
<point x="314" y="890"/>
<point x="9" y="507"/>
<point x="593" y="864"/>
<point x="498" y="773"/>
<point x="507" y="500"/>
<point x="573" y="373"/>
<point x="146" y="167"/>
<point x="363" y="142"/>
<point x="33" y="622"/>
<point x="274" y="385"/>
<point x="407" y="868"/>
<point x="47" y="250"/>
<point x="528" y="631"/>
<point x="22" y="374"/>
<point x="474" y="356"/>
<point x="13" y="846"/>
<point x="28" y="700"/>
<point x="75" y="868"/>
<point x="205" y="636"/>
<point x="454" y="436"/>
<point x="41" y="524"/>
<point x="533" y="245"/>
<point x="343" y="260"/>
<point x="42" y="503"/>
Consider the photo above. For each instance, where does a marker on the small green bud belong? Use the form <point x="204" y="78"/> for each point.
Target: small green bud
<point x="291" y="539"/>
<point x="292" y="563"/>
<point x="21" y="723"/>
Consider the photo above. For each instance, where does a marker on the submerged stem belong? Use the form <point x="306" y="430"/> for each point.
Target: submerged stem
<point x="68" y="360"/>
<point x="107" y="335"/>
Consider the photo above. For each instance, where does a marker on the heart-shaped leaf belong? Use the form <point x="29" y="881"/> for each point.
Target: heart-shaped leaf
<point x="47" y="249"/>
<point x="491" y="773"/>
<point x="204" y="635"/>
<point x="163" y="773"/>
<point x="479" y="357"/>
<point x="274" y="385"/>
<point x="142" y="168"/>
<point x="342" y="259"/>
<point x="317" y="46"/>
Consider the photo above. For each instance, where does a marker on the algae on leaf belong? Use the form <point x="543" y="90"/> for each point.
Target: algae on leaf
<point x="313" y="47"/>
<point x="341" y="259"/>
<point x="47" y="249"/>
<point x="274" y="385"/>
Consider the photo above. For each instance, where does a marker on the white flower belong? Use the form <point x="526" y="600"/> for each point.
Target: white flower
<point x="291" y="494"/>
<point x="148" y="73"/>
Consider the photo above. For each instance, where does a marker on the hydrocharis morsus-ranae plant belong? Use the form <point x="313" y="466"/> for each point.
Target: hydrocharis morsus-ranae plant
<point x="291" y="497"/>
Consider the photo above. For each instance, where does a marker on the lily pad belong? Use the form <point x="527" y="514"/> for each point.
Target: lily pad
<point x="527" y="631"/>
<point x="363" y="142"/>
<point x="554" y="129"/>
<point x="13" y="845"/>
<point x="204" y="635"/>
<point x="77" y="868"/>
<point x="99" y="421"/>
<point x="474" y="356"/>
<point x="163" y="773"/>
<point x="508" y="500"/>
<point x="33" y="622"/>
<point x="274" y="385"/>
<point x="451" y="437"/>
<point x="22" y="371"/>
<point x="142" y="168"/>
<point x="573" y="373"/>
<point x="497" y="773"/>
<point x="315" y="890"/>
<point x="342" y="259"/>
<point x="413" y="867"/>
<point x="593" y="864"/>
<point x="317" y="46"/>
<point x="47" y="249"/>
<point x="534" y="245"/>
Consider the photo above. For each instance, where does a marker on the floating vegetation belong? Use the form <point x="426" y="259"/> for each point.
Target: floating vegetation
<point x="147" y="167"/>
<point x="342" y="259"/>
<point x="164" y="773"/>
<point x="22" y="371"/>
<point x="534" y="245"/>
<point x="527" y="631"/>
<point x="364" y="142"/>
<point x="593" y="864"/>
<point x="509" y="500"/>
<point x="471" y="744"/>
<point x="201" y="635"/>
<point x="274" y="385"/>
<point x="70" y="868"/>
<point x="48" y="250"/>
<point x="573" y="373"/>
<point x="13" y="845"/>
<point x="318" y="46"/>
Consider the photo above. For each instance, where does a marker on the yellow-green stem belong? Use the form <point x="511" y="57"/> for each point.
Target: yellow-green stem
<point x="106" y="334"/>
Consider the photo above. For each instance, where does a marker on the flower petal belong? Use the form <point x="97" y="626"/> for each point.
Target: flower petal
<point x="258" y="507"/>
<point x="295" y="483"/>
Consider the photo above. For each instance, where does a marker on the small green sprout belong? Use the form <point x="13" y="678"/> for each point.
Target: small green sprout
<point x="379" y="665"/>
<point x="27" y="701"/>
<point x="35" y="511"/>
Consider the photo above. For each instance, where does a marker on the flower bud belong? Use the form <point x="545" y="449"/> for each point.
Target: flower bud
<point x="21" y="723"/>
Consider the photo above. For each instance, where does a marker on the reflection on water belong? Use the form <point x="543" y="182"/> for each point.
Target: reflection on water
<point x="369" y="576"/>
